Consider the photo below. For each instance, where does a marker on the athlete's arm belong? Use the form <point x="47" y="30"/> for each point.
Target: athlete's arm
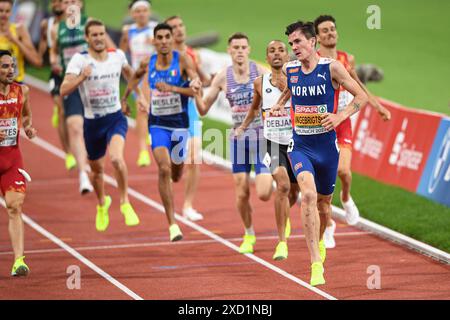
<point x="26" y="114"/>
<point x="384" y="113"/>
<point x="23" y="41"/>
<point x="204" y="78"/>
<point x="278" y="108"/>
<point x="123" y="44"/>
<point x="72" y="81"/>
<point x="53" y="54"/>
<point x="165" y="87"/>
<point x="43" y="41"/>
<point x="138" y="75"/>
<point x="217" y="85"/>
<point x="340" y="76"/>
<point x="254" y="110"/>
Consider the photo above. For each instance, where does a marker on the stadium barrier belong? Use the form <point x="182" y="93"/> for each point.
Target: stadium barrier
<point x="411" y="151"/>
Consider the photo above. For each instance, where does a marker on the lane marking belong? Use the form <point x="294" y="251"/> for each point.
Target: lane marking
<point x="167" y="243"/>
<point x="108" y="179"/>
<point x="75" y="253"/>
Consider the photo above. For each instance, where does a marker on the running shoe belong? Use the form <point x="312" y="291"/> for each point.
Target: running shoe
<point x="248" y="243"/>
<point x="20" y="269"/>
<point x="322" y="250"/>
<point x="55" y="117"/>
<point x="175" y="233"/>
<point x="131" y="218"/>
<point x="102" y="218"/>
<point x="281" y="251"/>
<point x="328" y="236"/>
<point x="71" y="162"/>
<point x="144" y="159"/>
<point x="351" y="211"/>
<point x="85" y="183"/>
<point x="287" y="231"/>
<point x="192" y="214"/>
<point x="317" y="272"/>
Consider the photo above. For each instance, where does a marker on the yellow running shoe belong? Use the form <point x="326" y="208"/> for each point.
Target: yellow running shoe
<point x="71" y="163"/>
<point x="247" y="244"/>
<point x="20" y="269"/>
<point x="102" y="219"/>
<point x="131" y="218"/>
<point x="287" y="231"/>
<point x="55" y="117"/>
<point x="144" y="159"/>
<point x="281" y="251"/>
<point x="175" y="233"/>
<point x="322" y="251"/>
<point x="317" y="272"/>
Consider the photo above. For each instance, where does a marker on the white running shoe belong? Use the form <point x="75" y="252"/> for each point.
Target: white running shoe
<point x="85" y="183"/>
<point x="192" y="214"/>
<point x="328" y="236"/>
<point x="351" y="211"/>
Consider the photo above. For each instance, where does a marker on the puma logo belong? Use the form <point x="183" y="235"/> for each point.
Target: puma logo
<point x="19" y="183"/>
<point x="322" y="76"/>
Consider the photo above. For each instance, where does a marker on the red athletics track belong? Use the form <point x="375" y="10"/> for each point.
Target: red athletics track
<point x="140" y="262"/>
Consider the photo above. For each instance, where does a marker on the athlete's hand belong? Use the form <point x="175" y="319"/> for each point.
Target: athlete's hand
<point x="164" y="87"/>
<point x="384" y="113"/>
<point x="56" y="68"/>
<point x="277" y="111"/>
<point x="239" y="132"/>
<point x="143" y="104"/>
<point x="126" y="110"/>
<point x="10" y="36"/>
<point x="30" y="132"/>
<point x="86" y="72"/>
<point x="331" y="120"/>
<point x="2" y="135"/>
<point x="196" y="85"/>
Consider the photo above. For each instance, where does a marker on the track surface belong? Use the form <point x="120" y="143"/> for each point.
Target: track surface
<point x="140" y="262"/>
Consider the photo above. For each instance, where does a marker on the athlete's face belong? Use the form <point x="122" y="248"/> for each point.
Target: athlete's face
<point x="65" y="4"/>
<point x="141" y="15"/>
<point x="56" y="7"/>
<point x="163" y="41"/>
<point x="5" y="12"/>
<point x="327" y="35"/>
<point x="96" y="38"/>
<point x="239" y="50"/>
<point x="277" y="54"/>
<point x="178" y="29"/>
<point x="303" y="48"/>
<point x="6" y="70"/>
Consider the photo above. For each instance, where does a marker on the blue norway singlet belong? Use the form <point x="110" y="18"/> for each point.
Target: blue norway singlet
<point x="168" y="110"/>
<point x="312" y="96"/>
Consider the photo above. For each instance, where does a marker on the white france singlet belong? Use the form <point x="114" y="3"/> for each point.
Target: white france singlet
<point x="139" y="43"/>
<point x="100" y="92"/>
<point x="276" y="129"/>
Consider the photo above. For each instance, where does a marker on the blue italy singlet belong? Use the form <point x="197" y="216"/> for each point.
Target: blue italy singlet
<point x="168" y="110"/>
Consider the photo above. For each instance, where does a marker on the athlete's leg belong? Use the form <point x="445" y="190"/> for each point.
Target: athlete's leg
<point x="242" y="188"/>
<point x="324" y="207"/>
<point x="282" y="206"/>
<point x="62" y="129"/>
<point x="14" y="202"/>
<point x="162" y="158"/>
<point x="97" y="177"/>
<point x="192" y="172"/>
<point x="116" y="151"/>
<point x="264" y="184"/>
<point x="76" y="141"/>
<point x="310" y="214"/>
<point x="345" y="173"/>
<point x="143" y="137"/>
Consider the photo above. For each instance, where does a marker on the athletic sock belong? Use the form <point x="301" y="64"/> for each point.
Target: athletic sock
<point x="250" y="231"/>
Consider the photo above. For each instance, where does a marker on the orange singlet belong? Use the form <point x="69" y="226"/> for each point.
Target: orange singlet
<point x="344" y="130"/>
<point x="10" y="157"/>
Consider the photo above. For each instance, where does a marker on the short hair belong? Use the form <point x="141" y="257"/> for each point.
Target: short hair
<point x="11" y="2"/>
<point x="275" y="40"/>
<point x="323" y="18"/>
<point x="237" y="36"/>
<point x="172" y="18"/>
<point x="5" y="52"/>
<point x="306" y="28"/>
<point x="92" y="23"/>
<point x="134" y="1"/>
<point x="161" y="26"/>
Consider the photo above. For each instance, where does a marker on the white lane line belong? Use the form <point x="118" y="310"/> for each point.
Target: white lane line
<point x="76" y="254"/>
<point x="166" y="243"/>
<point x="108" y="179"/>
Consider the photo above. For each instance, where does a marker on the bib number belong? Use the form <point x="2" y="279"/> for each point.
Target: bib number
<point x="10" y="127"/>
<point x="166" y="103"/>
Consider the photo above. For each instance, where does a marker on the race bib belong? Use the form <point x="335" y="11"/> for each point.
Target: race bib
<point x="307" y="119"/>
<point x="11" y="128"/>
<point x="238" y="115"/>
<point x="278" y="129"/>
<point x="103" y="101"/>
<point x="165" y="103"/>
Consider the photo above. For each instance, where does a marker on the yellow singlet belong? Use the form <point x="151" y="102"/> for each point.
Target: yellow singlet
<point x="5" y="44"/>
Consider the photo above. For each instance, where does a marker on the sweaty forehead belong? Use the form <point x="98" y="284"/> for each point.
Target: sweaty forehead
<point x="276" y="45"/>
<point x="6" y="60"/>
<point x="163" y="33"/>
<point x="326" y="24"/>
<point x="239" y="42"/>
